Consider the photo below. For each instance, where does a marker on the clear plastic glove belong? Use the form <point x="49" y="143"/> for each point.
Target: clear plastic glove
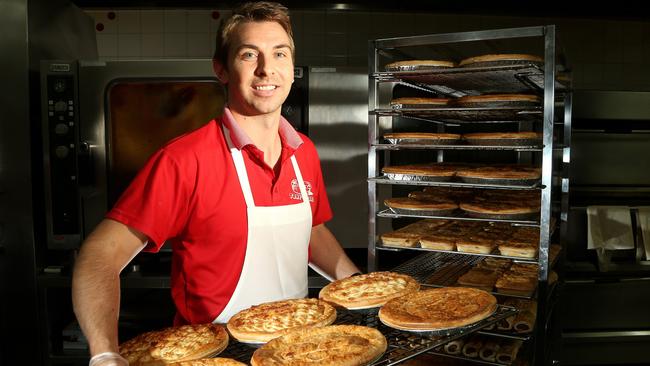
<point x="108" y="359"/>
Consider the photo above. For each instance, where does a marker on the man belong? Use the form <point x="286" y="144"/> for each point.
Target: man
<point x="222" y="195"/>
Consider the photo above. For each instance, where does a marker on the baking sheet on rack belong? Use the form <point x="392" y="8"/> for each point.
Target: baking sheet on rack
<point x="476" y="114"/>
<point x="500" y="181"/>
<point x="519" y="216"/>
<point x="417" y="178"/>
<point x="527" y="143"/>
<point x="404" y="211"/>
<point x="421" y="141"/>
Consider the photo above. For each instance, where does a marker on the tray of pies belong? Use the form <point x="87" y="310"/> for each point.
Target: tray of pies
<point x="419" y="65"/>
<point x="501" y="174"/>
<point x="434" y="172"/>
<point x="498" y="100"/>
<point x="422" y="138"/>
<point x="503" y="138"/>
<point x="415" y="104"/>
<point x="499" y="204"/>
<point x="430" y="206"/>
<point x="508" y="59"/>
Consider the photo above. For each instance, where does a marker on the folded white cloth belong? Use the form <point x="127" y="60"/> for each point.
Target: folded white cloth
<point x="610" y="228"/>
<point x="643" y="220"/>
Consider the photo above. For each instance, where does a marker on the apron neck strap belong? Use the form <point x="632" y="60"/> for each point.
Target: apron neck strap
<point x="242" y="174"/>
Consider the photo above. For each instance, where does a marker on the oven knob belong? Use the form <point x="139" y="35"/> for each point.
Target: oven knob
<point x="61" y="129"/>
<point x="61" y="152"/>
<point x="60" y="106"/>
<point x="59" y="86"/>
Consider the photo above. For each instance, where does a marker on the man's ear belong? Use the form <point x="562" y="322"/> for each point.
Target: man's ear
<point x="220" y="71"/>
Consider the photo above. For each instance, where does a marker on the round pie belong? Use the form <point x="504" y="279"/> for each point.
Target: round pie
<point x="431" y="170"/>
<point x="219" y="361"/>
<point x="499" y="58"/>
<point x="438" y="309"/>
<point x="499" y="207"/>
<point x="368" y="290"/>
<point x="501" y="172"/>
<point x="261" y="323"/>
<point x="497" y="99"/>
<point x="418" y="64"/>
<point x="334" y="345"/>
<point x="502" y="135"/>
<point x="420" y="101"/>
<point x="429" y="204"/>
<point x="175" y="344"/>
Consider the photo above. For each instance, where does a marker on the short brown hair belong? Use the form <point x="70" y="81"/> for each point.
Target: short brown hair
<point x="262" y="11"/>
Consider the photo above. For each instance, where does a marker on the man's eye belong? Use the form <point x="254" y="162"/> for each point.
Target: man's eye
<point x="280" y="54"/>
<point x="248" y="55"/>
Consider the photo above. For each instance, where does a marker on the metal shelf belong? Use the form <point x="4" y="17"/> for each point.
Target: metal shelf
<point x="454" y="81"/>
<point x="454" y="147"/>
<point x="459" y="215"/>
<point x="461" y="115"/>
<point x="385" y="180"/>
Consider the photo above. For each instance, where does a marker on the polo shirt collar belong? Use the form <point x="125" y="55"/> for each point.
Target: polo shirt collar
<point x="239" y="138"/>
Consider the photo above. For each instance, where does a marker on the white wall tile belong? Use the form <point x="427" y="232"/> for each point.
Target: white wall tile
<point x="153" y="45"/>
<point x="175" y="45"/>
<point x="336" y="21"/>
<point x="128" y="21"/>
<point x="314" y="45"/>
<point x="198" y="21"/>
<point x="175" y="21"/>
<point x="199" y="45"/>
<point x="336" y="44"/>
<point x="336" y="60"/>
<point x="107" y="45"/>
<point x="152" y="21"/>
<point x="129" y="45"/>
<point x="313" y="22"/>
<point x="359" y="22"/>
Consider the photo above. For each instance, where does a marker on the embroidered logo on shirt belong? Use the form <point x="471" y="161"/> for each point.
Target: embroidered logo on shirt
<point x="295" y="195"/>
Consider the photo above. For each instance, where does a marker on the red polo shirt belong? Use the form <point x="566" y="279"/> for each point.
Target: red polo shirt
<point x="188" y="193"/>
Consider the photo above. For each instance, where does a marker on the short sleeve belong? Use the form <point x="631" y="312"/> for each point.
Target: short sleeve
<point x="156" y="201"/>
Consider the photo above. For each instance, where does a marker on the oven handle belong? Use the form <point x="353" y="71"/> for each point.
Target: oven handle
<point x="86" y="168"/>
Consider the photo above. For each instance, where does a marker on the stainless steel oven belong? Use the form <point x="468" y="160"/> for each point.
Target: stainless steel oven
<point x="102" y="120"/>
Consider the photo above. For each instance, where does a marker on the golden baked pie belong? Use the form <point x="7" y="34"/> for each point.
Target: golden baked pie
<point x="495" y="58"/>
<point x="499" y="207"/>
<point x="430" y="204"/>
<point x="261" y="323"/>
<point x="432" y="170"/>
<point x="502" y="135"/>
<point x="218" y="361"/>
<point x="513" y="172"/>
<point x="438" y="308"/>
<point x="175" y="344"/>
<point x="368" y="290"/>
<point x="440" y="102"/>
<point x="418" y="64"/>
<point x="400" y="239"/>
<point x="496" y="99"/>
<point x="334" y="345"/>
<point x="481" y="278"/>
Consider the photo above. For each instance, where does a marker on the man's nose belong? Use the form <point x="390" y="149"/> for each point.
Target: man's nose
<point x="264" y="65"/>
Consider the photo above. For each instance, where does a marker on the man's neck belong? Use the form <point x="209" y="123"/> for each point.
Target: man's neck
<point x="263" y="130"/>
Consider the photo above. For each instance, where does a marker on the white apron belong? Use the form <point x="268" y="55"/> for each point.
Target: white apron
<point x="275" y="266"/>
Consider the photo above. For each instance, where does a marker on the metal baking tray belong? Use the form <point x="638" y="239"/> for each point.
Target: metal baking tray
<point x="404" y="211"/>
<point x="500" y="181"/>
<point x="484" y="64"/>
<point x="489" y="79"/>
<point x="499" y="104"/>
<point x="417" y="182"/>
<point x="458" y="146"/>
<point x="455" y="215"/>
<point x="533" y="143"/>
<point x="415" y="68"/>
<point x="475" y="114"/>
<point x="422" y="141"/>
<point x="416" y="178"/>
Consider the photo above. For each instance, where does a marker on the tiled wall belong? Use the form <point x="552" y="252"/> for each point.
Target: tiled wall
<point x="605" y="54"/>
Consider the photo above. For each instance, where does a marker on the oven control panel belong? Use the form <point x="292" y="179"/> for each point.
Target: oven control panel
<point x="60" y="120"/>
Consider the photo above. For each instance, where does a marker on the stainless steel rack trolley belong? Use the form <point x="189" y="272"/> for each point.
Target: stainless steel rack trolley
<point x="550" y="80"/>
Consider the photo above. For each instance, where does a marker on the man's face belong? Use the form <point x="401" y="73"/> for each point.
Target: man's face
<point x="260" y="68"/>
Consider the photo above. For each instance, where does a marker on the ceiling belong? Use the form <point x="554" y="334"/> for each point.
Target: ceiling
<point x="548" y="8"/>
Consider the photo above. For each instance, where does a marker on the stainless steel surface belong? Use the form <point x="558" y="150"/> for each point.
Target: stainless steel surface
<point x="612" y="105"/>
<point x="31" y="30"/>
<point x="338" y="107"/>
<point x="454" y="215"/>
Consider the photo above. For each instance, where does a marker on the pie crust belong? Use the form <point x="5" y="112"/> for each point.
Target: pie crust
<point x="218" y="361"/>
<point x="499" y="57"/>
<point x="368" y="290"/>
<point x="423" y="101"/>
<point x="497" y="98"/>
<point x="334" y="345"/>
<point x="438" y="308"/>
<point x="406" y="203"/>
<point x="502" y="135"/>
<point x="414" y="64"/>
<point x="261" y="323"/>
<point x="175" y="344"/>
<point x="501" y="172"/>
<point x="422" y="135"/>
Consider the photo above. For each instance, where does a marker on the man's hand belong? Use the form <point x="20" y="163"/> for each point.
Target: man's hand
<point x="108" y="359"/>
